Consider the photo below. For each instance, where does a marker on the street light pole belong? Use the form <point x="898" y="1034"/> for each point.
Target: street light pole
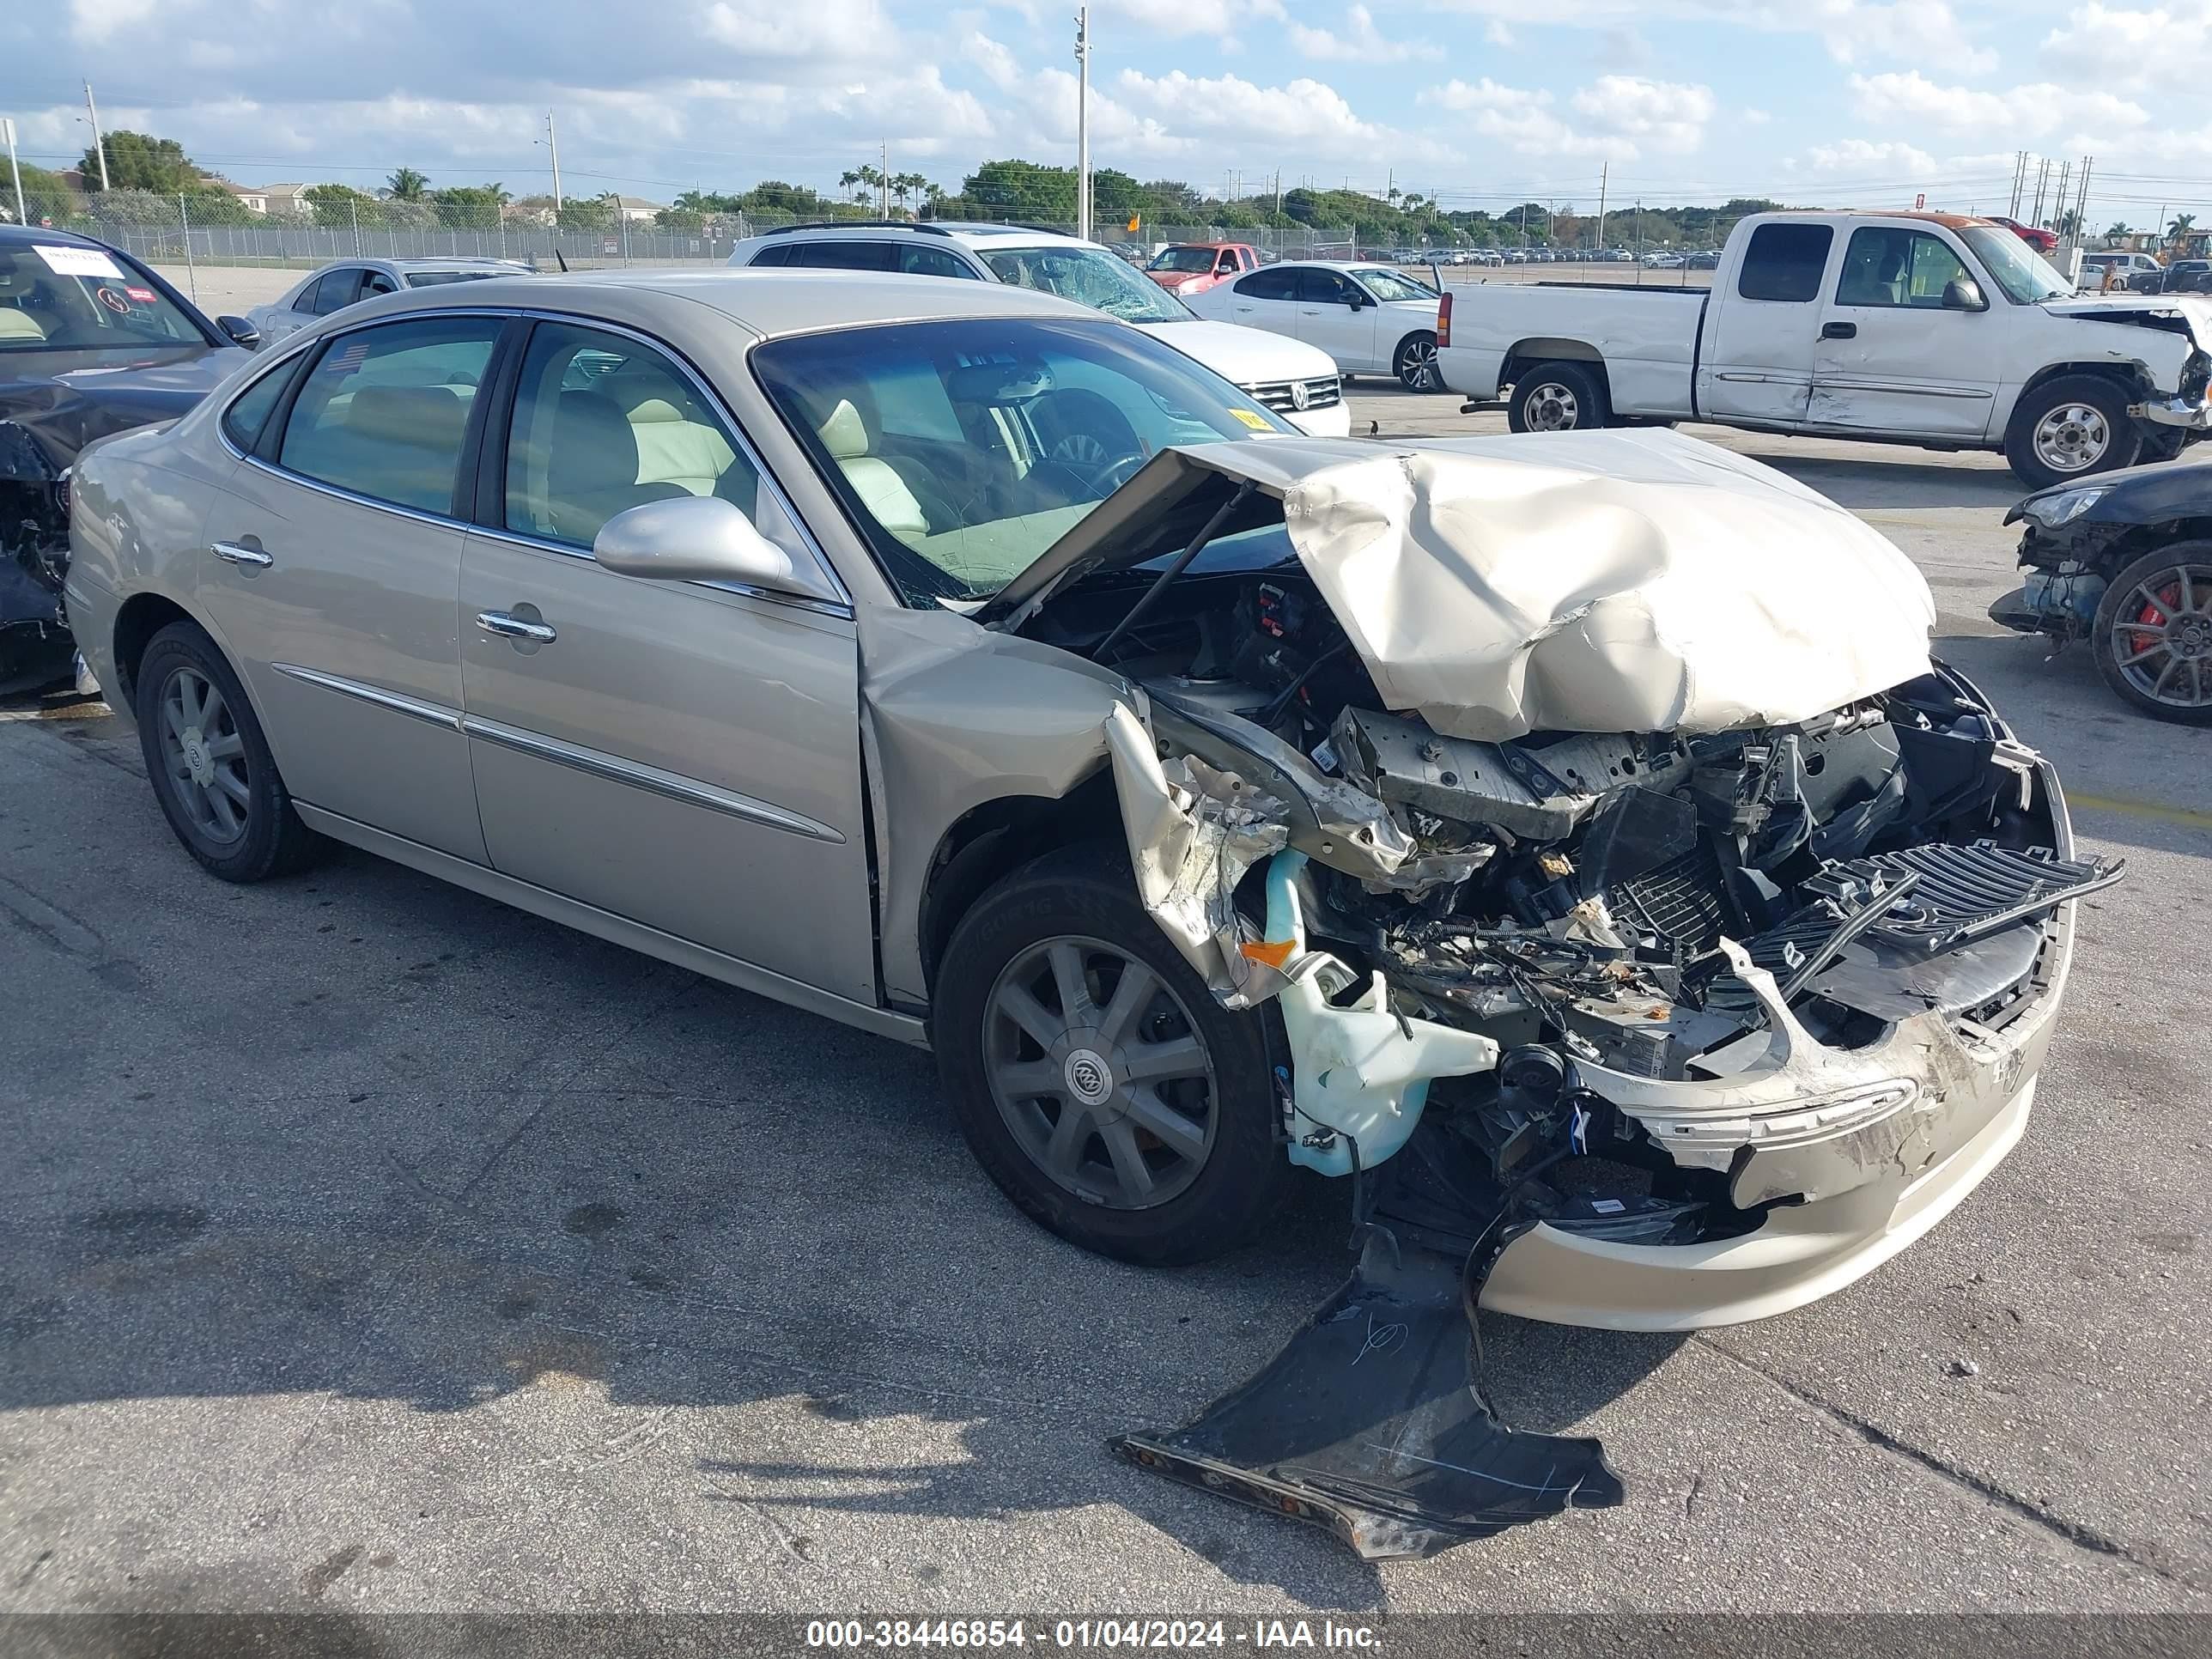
<point x="1083" y="122"/>
<point x="99" y="144"/>
<point x="553" y="146"/>
<point x="22" y="213"/>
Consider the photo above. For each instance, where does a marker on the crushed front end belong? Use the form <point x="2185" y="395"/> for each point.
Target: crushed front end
<point x="1648" y="1029"/>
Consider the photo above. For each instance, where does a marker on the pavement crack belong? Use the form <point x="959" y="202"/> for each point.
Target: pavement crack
<point x="2070" y="1532"/>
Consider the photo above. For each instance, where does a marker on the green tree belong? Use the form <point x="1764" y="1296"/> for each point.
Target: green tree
<point x="587" y="213"/>
<point x="45" y="196"/>
<point x="2183" y="224"/>
<point x="407" y="185"/>
<point x="138" y="161"/>
<point x="470" y="207"/>
<point x="342" y="206"/>
<point x="863" y="181"/>
<point x="2116" y="230"/>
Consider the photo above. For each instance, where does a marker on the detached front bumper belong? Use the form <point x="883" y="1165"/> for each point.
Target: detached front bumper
<point x="2188" y="414"/>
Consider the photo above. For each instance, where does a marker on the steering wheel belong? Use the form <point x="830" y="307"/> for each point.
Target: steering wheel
<point x="1083" y="456"/>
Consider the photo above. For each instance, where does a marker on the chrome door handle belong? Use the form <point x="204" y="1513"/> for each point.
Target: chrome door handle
<point x="232" y="553"/>
<point x="513" y="627"/>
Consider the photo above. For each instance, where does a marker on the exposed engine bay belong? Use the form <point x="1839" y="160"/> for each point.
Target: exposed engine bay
<point x="1659" y="991"/>
<point x="35" y="646"/>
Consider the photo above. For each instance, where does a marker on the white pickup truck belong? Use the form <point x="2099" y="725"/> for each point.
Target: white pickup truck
<point x="1915" y="328"/>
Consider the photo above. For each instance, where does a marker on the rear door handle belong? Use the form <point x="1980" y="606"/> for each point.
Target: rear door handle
<point x="1839" y="331"/>
<point x="233" y="553"/>
<point x="514" y="628"/>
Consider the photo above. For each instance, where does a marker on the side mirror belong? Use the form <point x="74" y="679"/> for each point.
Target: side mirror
<point x="1357" y="300"/>
<point x="702" y="538"/>
<point x="1964" y="294"/>
<point x="239" y="331"/>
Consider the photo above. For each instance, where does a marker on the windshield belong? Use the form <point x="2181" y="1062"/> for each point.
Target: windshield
<point x="83" y="299"/>
<point x="1089" y="276"/>
<point x="965" y="448"/>
<point x="1392" y="285"/>
<point x="2025" y="275"/>
<point x="1184" y="258"/>
<point x="440" y="278"/>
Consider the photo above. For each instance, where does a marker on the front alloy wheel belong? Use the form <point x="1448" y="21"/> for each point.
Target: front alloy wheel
<point x="1097" y="1078"/>
<point x="2153" y="634"/>
<point x="1417" y="364"/>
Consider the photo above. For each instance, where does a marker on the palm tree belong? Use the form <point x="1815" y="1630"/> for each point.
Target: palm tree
<point x="2183" y="222"/>
<point x="407" y="185"/>
<point x="2119" y="229"/>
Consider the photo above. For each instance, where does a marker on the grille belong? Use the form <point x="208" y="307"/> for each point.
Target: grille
<point x="1680" y="901"/>
<point x="1325" y="393"/>
<point x="1967" y="893"/>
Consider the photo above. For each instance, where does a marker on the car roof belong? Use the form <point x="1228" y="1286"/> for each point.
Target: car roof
<point x="32" y="235"/>
<point x="765" y="302"/>
<point x="967" y="233"/>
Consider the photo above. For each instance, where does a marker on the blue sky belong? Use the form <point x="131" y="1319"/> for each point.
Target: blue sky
<point x="1476" y="101"/>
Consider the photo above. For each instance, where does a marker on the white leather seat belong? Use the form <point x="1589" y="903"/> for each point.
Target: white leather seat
<point x="15" y="324"/>
<point x="881" y="490"/>
<point x="673" y="449"/>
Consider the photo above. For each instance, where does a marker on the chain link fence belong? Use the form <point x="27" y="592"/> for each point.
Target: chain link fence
<point x="215" y="230"/>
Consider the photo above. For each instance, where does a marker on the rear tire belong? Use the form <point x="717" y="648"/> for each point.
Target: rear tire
<point x="1558" y="397"/>
<point x="2153" y="642"/>
<point x="1013" y="1058"/>
<point x="210" y="765"/>
<point x="1414" y="362"/>
<point x="2072" y="426"/>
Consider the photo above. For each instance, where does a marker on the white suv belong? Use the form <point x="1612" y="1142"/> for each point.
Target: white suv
<point x="1298" y="381"/>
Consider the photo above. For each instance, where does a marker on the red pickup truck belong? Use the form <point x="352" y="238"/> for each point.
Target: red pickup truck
<point x="1194" y="267"/>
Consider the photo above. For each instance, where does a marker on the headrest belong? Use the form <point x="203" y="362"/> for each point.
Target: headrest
<point x="592" y="446"/>
<point x="420" y="416"/>
<point x="655" y="410"/>
<point x="845" y="433"/>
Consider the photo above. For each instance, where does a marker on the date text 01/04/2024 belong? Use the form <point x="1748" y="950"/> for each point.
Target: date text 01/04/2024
<point x="1118" y="1634"/>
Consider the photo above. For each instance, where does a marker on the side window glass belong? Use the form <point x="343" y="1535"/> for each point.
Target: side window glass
<point x="249" y="413"/>
<point x="774" y="256"/>
<point x="1269" y="285"/>
<point x="1896" y="267"/>
<point x="602" y="424"/>
<point x="378" y="283"/>
<point x="1324" y="287"/>
<point x="305" y="303"/>
<point x="845" y="256"/>
<point x="384" y="412"/>
<point x="932" y="262"/>
<point x="339" y="289"/>
<point x="1784" y="262"/>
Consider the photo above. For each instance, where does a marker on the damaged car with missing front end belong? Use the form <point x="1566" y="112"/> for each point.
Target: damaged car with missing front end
<point x="1564" y="842"/>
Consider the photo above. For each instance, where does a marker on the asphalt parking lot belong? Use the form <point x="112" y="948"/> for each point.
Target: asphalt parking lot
<point x="372" y="1247"/>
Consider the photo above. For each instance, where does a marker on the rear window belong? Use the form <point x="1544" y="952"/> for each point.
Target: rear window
<point x="1784" y="263"/>
<point x="847" y="256"/>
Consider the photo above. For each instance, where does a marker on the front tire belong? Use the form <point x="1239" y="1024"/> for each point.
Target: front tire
<point x="2073" y="426"/>
<point x="210" y="765"/>
<point x="1558" y="397"/>
<point x="2153" y="634"/>
<point x="1414" y="364"/>
<point x="1095" y="1077"/>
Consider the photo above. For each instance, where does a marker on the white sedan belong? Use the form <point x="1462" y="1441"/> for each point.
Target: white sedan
<point x="1371" y="319"/>
<point x="349" y="281"/>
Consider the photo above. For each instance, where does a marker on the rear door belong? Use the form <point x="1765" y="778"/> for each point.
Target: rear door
<point x="1891" y="357"/>
<point x="1266" y="298"/>
<point x="1755" y="363"/>
<point x="331" y="572"/>
<point x="1339" y="318"/>
<point x="685" y="755"/>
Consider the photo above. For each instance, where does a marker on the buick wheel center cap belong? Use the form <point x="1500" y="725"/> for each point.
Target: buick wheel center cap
<point x="195" y="758"/>
<point x="1090" y="1079"/>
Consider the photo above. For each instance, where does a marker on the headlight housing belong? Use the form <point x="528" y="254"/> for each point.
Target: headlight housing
<point x="2067" y="505"/>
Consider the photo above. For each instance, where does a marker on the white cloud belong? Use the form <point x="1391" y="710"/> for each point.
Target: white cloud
<point x="1617" y="117"/>
<point x="2025" y="112"/>
<point x="1752" y="117"/>
<point x="1360" y="43"/>
<point x="1862" y="156"/>
<point x="1497" y="34"/>
<point x="1177" y="18"/>
<point x="1303" y="118"/>
<point x="2101" y="44"/>
<point x="992" y="61"/>
<point x="1915" y="31"/>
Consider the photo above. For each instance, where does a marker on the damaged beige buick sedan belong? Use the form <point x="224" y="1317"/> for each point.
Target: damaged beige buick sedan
<point x="1567" y="842"/>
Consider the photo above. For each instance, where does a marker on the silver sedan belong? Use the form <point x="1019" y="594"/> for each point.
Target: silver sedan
<point x="349" y="281"/>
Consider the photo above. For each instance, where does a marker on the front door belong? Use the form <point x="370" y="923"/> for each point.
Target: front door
<point x="681" y="755"/>
<point x="1756" y="363"/>
<point x="1266" y="298"/>
<point x="1892" y="357"/>
<point x="332" y="571"/>
<point x="1339" y="318"/>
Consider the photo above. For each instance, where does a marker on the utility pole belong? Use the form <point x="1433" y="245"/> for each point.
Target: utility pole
<point x="2058" y="196"/>
<point x="2081" y="202"/>
<point x="2042" y="181"/>
<point x="22" y="213"/>
<point x="553" y="146"/>
<point x="1083" y="122"/>
<point x="2019" y="182"/>
<point x="1604" y="172"/>
<point x="99" y="144"/>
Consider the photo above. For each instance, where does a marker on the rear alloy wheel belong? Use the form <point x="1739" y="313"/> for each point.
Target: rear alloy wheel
<point x="1415" y="364"/>
<point x="209" y="764"/>
<point x="1099" y="1083"/>
<point x="2153" y="634"/>
<point x="2070" y="427"/>
<point x="1557" y="397"/>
